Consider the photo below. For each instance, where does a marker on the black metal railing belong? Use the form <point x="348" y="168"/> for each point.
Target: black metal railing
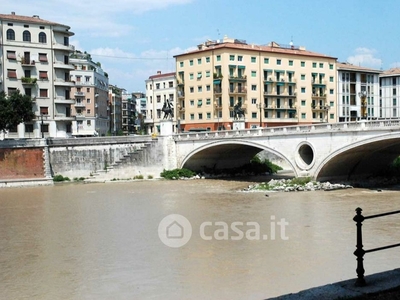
<point x="359" y="253"/>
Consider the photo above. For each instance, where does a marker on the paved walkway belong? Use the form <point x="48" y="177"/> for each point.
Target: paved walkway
<point x="378" y="282"/>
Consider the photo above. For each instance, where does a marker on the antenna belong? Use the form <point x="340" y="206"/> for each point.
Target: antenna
<point x="291" y="42"/>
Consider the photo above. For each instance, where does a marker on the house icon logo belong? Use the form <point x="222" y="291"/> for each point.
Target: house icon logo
<point x="174" y="230"/>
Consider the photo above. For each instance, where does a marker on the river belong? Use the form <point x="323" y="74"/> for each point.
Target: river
<point x="101" y="241"/>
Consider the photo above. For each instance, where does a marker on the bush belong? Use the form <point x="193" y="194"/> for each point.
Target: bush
<point x="60" y="178"/>
<point x="150" y="177"/>
<point x="177" y="173"/>
<point x="138" y="177"/>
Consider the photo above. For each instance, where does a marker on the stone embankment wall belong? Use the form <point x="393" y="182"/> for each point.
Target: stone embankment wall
<point x="91" y="158"/>
<point x="21" y="163"/>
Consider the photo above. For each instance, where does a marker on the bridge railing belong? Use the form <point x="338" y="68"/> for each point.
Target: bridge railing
<point x="293" y="129"/>
<point x="359" y="253"/>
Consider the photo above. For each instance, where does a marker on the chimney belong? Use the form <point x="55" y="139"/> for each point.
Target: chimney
<point x="158" y="72"/>
<point x="13" y="13"/>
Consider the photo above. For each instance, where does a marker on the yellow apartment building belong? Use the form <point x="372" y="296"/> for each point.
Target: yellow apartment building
<point x="275" y="85"/>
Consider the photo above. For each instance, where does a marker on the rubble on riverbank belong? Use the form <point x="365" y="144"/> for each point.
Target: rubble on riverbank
<point x="290" y="185"/>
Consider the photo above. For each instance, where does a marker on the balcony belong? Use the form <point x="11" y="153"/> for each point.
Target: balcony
<point x="61" y="82"/>
<point x="181" y="94"/>
<point x="318" y="96"/>
<point x="238" y="78"/>
<point x="28" y="80"/>
<point x="79" y="94"/>
<point x="80" y="116"/>
<point x="62" y="65"/>
<point x="27" y="63"/>
<point x="63" y="117"/>
<point x="318" y="83"/>
<point x="79" y="104"/>
<point x="237" y="91"/>
<point x="58" y="46"/>
<point x="60" y="100"/>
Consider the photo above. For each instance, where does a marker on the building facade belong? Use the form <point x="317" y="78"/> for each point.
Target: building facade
<point x="274" y="84"/>
<point x="389" y="94"/>
<point x="34" y="59"/>
<point x="160" y="91"/>
<point x="128" y="113"/>
<point x="91" y="96"/>
<point x="115" y="109"/>
<point x="358" y="93"/>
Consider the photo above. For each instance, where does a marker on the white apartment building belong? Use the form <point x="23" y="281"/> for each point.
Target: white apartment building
<point x="389" y="94"/>
<point x="159" y="89"/>
<point x="34" y="59"/>
<point x="91" y="96"/>
<point x="358" y="93"/>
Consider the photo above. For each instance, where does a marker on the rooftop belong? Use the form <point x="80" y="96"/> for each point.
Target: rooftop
<point x="35" y="19"/>
<point x="242" y="45"/>
<point x="391" y="72"/>
<point x="351" y="67"/>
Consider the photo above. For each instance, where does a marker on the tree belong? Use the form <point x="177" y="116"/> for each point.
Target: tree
<point x="14" y="109"/>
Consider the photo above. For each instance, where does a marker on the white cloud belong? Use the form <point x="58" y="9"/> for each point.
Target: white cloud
<point x="365" y="57"/>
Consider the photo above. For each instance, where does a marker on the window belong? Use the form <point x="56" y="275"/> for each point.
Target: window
<point x="199" y="61"/>
<point x="42" y="57"/>
<point x="321" y="65"/>
<point x="26" y="36"/>
<point x="158" y="97"/>
<point x="66" y="41"/>
<point x="89" y="122"/>
<point x="240" y="58"/>
<point x="11" y="73"/>
<point x="191" y="62"/>
<point x="88" y="100"/>
<point x="43" y="93"/>
<point x="170" y="84"/>
<point x="331" y="91"/>
<point x="42" y="38"/>
<point x="199" y="102"/>
<point x="10" y="35"/>
<point x="253" y="59"/>
<point x="218" y="57"/>
<point x="394" y="91"/>
<point x="331" y="79"/>
<point x="303" y="102"/>
<point x="208" y="87"/>
<point x="208" y="115"/>
<point x="208" y="74"/>
<point x="207" y="59"/>
<point x="303" y="115"/>
<point x="278" y="61"/>
<point x="191" y="89"/>
<point x="290" y="62"/>
<point x="331" y="66"/>
<point x="44" y="110"/>
<point x="303" y="90"/>
<point x="199" y="88"/>
<point x="266" y="60"/>
<point x="11" y="55"/>
<point x="43" y="75"/>
<point x="208" y="101"/>
<point x="314" y="64"/>
<point x="199" y="75"/>
<point x="88" y="111"/>
<point x="231" y="57"/>
<point x="157" y="86"/>
<point x="191" y="76"/>
<point x="303" y="77"/>
<point x="253" y="73"/>
<point x="191" y="102"/>
<point x="303" y="64"/>
<point x="181" y="64"/>
<point x="253" y="100"/>
<point x="254" y="115"/>
<point x="254" y="87"/>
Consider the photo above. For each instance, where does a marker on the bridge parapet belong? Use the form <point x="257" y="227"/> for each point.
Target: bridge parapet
<point x="294" y="129"/>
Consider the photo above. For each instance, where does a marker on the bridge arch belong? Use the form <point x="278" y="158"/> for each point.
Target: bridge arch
<point x="360" y="159"/>
<point x="227" y="154"/>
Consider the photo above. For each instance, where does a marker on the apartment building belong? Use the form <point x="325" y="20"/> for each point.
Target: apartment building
<point x="160" y="89"/>
<point x="115" y="109"/>
<point x="90" y="92"/>
<point x="389" y="99"/>
<point x="358" y="93"/>
<point x="128" y="113"/>
<point x="275" y="84"/>
<point x="141" y="104"/>
<point x="34" y="59"/>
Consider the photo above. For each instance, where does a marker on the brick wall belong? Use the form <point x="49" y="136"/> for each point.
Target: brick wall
<point x="21" y="163"/>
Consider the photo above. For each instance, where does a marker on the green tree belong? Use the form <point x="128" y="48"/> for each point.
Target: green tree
<point x="14" y="109"/>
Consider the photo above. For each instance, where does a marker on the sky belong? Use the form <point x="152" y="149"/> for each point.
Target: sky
<point x="133" y="39"/>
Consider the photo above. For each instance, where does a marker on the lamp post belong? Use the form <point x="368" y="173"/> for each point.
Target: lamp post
<point x="260" y="106"/>
<point x="42" y="124"/>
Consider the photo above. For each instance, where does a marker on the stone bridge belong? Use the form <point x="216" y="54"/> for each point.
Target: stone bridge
<point x="341" y="151"/>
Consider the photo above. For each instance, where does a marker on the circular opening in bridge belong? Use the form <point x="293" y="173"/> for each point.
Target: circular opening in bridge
<point x="306" y="154"/>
